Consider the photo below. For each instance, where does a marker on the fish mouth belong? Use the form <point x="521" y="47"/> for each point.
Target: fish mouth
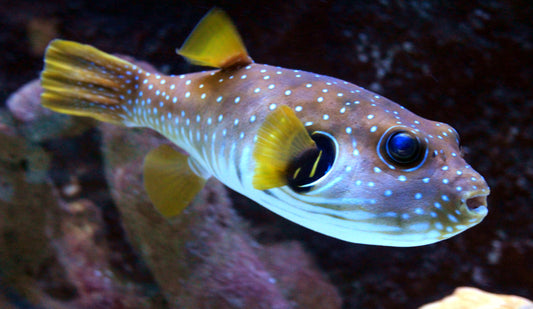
<point x="475" y="203"/>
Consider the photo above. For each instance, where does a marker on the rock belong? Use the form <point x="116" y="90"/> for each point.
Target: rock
<point x="53" y="253"/>
<point x="472" y="298"/>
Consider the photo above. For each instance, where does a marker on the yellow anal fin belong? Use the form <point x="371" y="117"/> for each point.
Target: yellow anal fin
<point x="281" y="138"/>
<point x="169" y="181"/>
<point x="81" y="80"/>
<point x="215" y="42"/>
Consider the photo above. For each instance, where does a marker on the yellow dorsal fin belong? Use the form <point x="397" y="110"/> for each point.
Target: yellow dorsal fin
<point x="215" y="42"/>
<point x="281" y="138"/>
<point x="169" y="180"/>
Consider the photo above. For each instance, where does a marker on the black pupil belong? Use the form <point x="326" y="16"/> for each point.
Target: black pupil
<point x="403" y="148"/>
<point x="312" y="164"/>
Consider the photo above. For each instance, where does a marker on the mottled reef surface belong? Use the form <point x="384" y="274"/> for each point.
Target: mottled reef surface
<point x="76" y="230"/>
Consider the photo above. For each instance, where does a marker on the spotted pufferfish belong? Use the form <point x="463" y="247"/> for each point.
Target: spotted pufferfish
<point x="319" y="151"/>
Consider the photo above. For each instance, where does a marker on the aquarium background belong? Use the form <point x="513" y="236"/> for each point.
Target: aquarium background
<point x="76" y="230"/>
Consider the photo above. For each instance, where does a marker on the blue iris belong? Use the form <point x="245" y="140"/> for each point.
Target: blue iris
<point x="403" y="147"/>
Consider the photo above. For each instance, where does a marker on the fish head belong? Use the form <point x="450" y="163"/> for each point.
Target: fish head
<point x="395" y="178"/>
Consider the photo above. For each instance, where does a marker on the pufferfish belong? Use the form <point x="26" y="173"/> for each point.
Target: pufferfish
<point x="321" y="152"/>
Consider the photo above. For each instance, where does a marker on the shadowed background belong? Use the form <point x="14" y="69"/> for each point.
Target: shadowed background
<point x="467" y="64"/>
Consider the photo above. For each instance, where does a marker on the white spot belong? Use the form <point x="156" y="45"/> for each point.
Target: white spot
<point x="271" y="86"/>
<point x="308" y="85"/>
<point x="237" y="99"/>
<point x="320" y="99"/>
<point x="458" y="188"/>
<point x="419" y="211"/>
<point x="445" y="198"/>
<point x="236" y="122"/>
<point x="298" y="108"/>
<point x="377" y="169"/>
<point x="458" y="172"/>
<point x="324" y="90"/>
<point x="325" y="116"/>
<point x="402" y="178"/>
<point x="445" y="168"/>
<point x="252" y="119"/>
<point x="203" y="96"/>
<point x="452" y="218"/>
<point x="418" y="196"/>
<point x="371" y="184"/>
<point x="188" y="82"/>
<point x="288" y="92"/>
<point x="349" y="130"/>
<point x="387" y="193"/>
<point x="266" y="77"/>
<point x="370" y="116"/>
<point x="445" y="181"/>
<point x="342" y="110"/>
<point x="340" y="94"/>
<point x="219" y="99"/>
<point x="425" y="180"/>
<point x="187" y="94"/>
<point x="220" y="117"/>
<point x="256" y="90"/>
<point x="243" y="77"/>
<point x="272" y="106"/>
<point x="174" y="99"/>
<point x="437" y="205"/>
<point x="373" y="129"/>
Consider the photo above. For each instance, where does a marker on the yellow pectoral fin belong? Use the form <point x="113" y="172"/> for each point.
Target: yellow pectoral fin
<point x="215" y="42"/>
<point x="169" y="181"/>
<point x="281" y="138"/>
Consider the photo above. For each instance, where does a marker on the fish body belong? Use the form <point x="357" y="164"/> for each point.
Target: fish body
<point x="319" y="151"/>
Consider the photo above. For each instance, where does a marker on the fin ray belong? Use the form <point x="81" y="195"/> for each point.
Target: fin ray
<point x="81" y="80"/>
<point x="215" y="42"/>
<point x="280" y="139"/>
<point x="169" y="180"/>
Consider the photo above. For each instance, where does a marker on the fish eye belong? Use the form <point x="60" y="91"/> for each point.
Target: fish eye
<point x="404" y="149"/>
<point x="312" y="164"/>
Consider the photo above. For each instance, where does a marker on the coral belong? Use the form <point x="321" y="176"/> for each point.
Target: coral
<point x="472" y="298"/>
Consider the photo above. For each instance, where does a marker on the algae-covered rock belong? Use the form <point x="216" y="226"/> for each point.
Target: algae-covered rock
<point x="53" y="253"/>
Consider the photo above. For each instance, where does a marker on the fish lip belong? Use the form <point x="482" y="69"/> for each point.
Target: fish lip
<point x="474" y="203"/>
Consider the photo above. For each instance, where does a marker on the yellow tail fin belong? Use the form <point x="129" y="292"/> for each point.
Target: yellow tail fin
<point x="84" y="81"/>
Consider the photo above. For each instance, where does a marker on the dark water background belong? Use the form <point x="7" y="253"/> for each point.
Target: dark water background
<point x="466" y="63"/>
